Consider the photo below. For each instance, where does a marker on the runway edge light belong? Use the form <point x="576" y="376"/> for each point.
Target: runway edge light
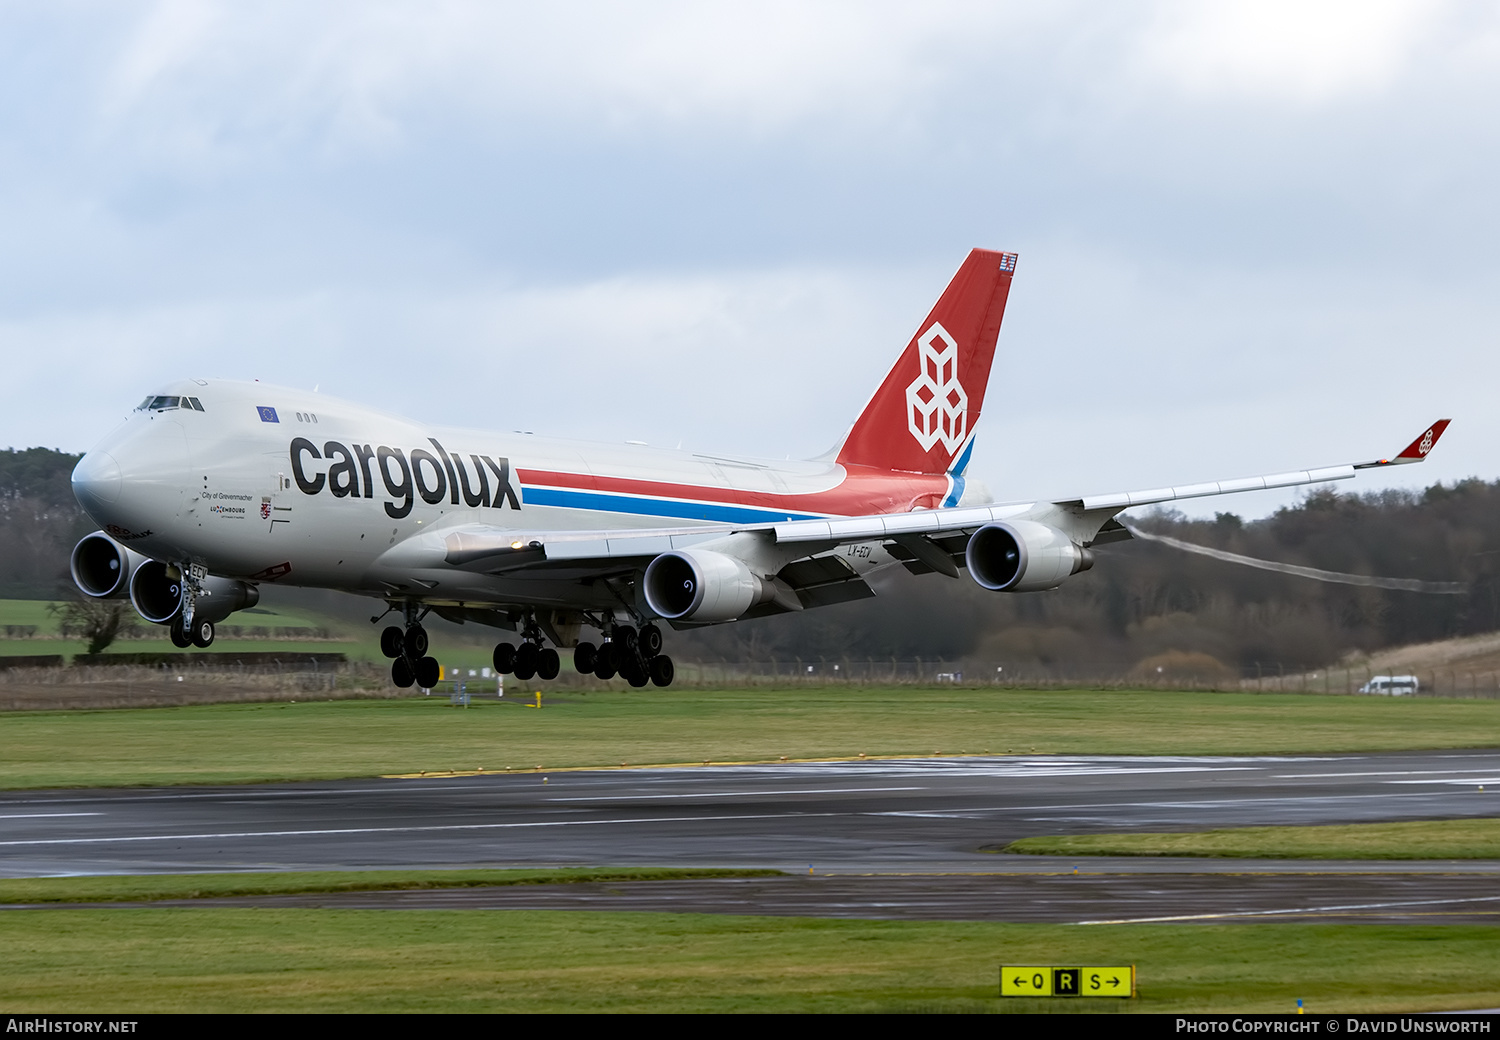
<point x="1067" y="981"/>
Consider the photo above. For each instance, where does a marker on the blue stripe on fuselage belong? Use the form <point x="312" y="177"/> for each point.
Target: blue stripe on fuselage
<point x="675" y="509"/>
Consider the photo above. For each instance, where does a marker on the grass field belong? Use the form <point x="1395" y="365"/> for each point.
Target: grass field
<point x="237" y="743"/>
<point x="267" y="960"/>
<point x="1424" y="839"/>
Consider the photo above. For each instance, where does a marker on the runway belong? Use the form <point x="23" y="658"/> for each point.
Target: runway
<point x="857" y="825"/>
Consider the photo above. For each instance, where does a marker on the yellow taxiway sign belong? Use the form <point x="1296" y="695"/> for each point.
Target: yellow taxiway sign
<point x="1053" y="981"/>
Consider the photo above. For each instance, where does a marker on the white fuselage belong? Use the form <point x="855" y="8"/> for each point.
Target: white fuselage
<point x="266" y="483"/>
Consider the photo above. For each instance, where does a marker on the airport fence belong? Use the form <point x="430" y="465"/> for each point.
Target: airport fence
<point x="174" y="679"/>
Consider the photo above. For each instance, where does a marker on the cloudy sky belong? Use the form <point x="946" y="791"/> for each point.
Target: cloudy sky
<point x="1252" y="235"/>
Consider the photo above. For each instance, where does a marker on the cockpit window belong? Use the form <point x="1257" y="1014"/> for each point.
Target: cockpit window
<point x="162" y="403"/>
<point x="197" y="404"/>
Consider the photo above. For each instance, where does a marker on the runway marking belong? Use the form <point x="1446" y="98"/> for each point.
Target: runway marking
<point x="1452" y="780"/>
<point x="1204" y="803"/>
<point x="405" y="830"/>
<point x="46" y="815"/>
<point x="725" y="794"/>
<point x="1298" y="910"/>
<point x="952" y="814"/>
<point x="1374" y="772"/>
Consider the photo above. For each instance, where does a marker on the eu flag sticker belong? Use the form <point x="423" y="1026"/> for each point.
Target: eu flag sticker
<point x="267" y="414"/>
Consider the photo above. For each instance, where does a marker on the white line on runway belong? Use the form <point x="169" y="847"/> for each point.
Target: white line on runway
<point x="1379" y="772"/>
<point x="46" y="815"/>
<point x="1298" y="910"/>
<point x="725" y="794"/>
<point x="1205" y="803"/>
<point x="406" y="830"/>
<point x="1451" y="780"/>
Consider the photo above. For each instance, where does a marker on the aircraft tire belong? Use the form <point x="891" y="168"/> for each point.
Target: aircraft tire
<point x="401" y="673"/>
<point x="504" y="658"/>
<point x="626" y="638"/>
<point x="604" y="663"/>
<point x="528" y="657"/>
<point x="636" y="676"/>
<point x="548" y="664"/>
<point x="203" y="634"/>
<point x="392" y="642"/>
<point x="427" y="672"/>
<point x="416" y="642"/>
<point x="585" y="657"/>
<point x="662" y="670"/>
<point x="180" y="639"/>
<point x="523" y="673"/>
<point x="650" y="641"/>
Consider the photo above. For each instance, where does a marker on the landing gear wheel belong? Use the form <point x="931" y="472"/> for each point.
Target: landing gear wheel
<point x="635" y="675"/>
<point x="527" y="659"/>
<point x="415" y="642"/>
<point x="392" y="642"/>
<point x="427" y="672"/>
<point x="662" y="670"/>
<point x="401" y="673"/>
<point x="180" y="638"/>
<point x="504" y="658"/>
<point x="203" y="634"/>
<point x="585" y="658"/>
<point x="650" y="640"/>
<point x="604" y="662"/>
<point x="625" y="638"/>
<point x="548" y="664"/>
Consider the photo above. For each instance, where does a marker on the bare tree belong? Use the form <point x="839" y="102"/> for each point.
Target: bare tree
<point x="98" y="621"/>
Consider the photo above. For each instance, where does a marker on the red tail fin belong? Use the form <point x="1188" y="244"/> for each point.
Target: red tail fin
<point x="924" y="414"/>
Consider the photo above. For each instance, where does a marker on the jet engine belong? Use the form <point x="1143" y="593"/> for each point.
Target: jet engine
<point x="1023" y="556"/>
<point x="102" y="566"/>
<point x="156" y="594"/>
<point x="701" y="585"/>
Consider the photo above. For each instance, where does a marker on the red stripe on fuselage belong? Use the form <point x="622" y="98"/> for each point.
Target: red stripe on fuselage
<point x="861" y="493"/>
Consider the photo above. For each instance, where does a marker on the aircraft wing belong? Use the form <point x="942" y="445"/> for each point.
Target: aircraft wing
<point x="1086" y="520"/>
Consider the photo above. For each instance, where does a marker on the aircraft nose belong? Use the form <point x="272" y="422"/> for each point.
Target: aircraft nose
<point x="96" y="480"/>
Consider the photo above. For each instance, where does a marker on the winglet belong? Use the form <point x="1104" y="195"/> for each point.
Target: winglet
<point x="1416" y="451"/>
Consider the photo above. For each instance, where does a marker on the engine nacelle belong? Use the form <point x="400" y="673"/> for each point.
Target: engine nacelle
<point x="1023" y="556"/>
<point x="157" y="595"/>
<point x="102" y="566"/>
<point x="700" y="585"/>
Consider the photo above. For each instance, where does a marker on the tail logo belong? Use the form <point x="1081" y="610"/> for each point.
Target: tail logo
<point x="937" y="408"/>
<point x="1422" y="449"/>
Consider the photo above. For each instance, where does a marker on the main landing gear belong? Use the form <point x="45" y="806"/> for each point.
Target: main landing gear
<point x="635" y="656"/>
<point x="529" y="659"/>
<point x="411" y="665"/>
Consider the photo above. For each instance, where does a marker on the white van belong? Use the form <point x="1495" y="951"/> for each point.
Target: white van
<point x="1394" y="685"/>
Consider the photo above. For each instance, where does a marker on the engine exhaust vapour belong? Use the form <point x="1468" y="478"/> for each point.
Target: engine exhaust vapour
<point x="1441" y="588"/>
